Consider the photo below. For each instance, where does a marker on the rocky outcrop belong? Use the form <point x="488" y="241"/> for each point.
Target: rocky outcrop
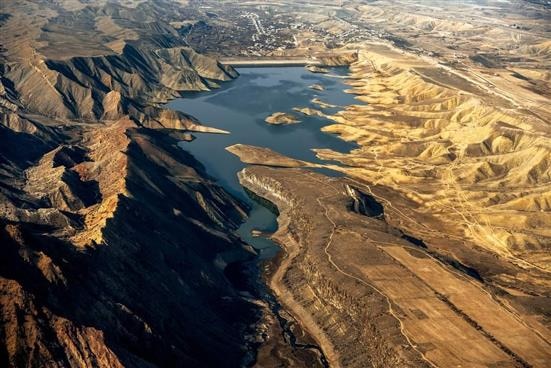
<point x="308" y="111"/>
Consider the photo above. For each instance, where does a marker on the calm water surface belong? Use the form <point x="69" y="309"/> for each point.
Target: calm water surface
<point x="240" y="107"/>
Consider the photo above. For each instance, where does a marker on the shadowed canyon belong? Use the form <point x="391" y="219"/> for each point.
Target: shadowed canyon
<point x="197" y="183"/>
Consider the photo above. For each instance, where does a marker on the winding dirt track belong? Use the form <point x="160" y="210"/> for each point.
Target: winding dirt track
<point x="330" y="259"/>
<point x="390" y="310"/>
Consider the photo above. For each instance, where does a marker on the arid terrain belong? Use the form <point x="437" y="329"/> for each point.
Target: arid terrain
<point x="403" y="305"/>
<point x="113" y="241"/>
<point x="427" y="245"/>
<point x="452" y="121"/>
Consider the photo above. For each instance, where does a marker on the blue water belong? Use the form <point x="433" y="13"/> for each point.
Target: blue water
<point x="240" y="107"/>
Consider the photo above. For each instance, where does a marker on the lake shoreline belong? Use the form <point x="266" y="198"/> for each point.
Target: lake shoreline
<point x="240" y="107"/>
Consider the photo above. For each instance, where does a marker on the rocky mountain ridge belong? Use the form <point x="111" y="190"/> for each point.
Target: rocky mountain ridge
<point x="113" y="239"/>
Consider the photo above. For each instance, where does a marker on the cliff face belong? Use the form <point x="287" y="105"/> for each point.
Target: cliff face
<point x="113" y="241"/>
<point x="110" y="256"/>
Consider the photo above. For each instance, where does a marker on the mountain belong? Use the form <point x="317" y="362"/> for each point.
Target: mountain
<point x="113" y="239"/>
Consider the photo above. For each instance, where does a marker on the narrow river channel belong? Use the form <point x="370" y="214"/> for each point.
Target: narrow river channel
<point x="240" y="107"/>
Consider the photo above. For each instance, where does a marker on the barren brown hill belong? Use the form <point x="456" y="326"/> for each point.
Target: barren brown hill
<point x="60" y="64"/>
<point x="113" y="241"/>
<point x="462" y="154"/>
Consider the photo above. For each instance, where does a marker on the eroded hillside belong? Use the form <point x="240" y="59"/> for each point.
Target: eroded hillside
<point x="464" y="155"/>
<point x="100" y="62"/>
<point x="113" y="240"/>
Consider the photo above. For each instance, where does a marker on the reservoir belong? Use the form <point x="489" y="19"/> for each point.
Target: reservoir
<point x="240" y="107"/>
